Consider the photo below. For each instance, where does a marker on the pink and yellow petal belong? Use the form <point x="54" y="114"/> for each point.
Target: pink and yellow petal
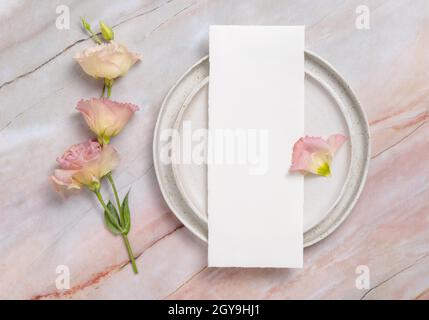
<point x="106" y="118"/>
<point x="303" y="150"/>
<point x="91" y="174"/>
<point x="314" y="154"/>
<point x="63" y="179"/>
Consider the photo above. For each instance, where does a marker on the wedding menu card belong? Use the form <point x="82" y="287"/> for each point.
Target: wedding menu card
<point x="256" y="113"/>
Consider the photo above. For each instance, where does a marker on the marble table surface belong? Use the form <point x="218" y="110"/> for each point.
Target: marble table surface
<point x="388" y="231"/>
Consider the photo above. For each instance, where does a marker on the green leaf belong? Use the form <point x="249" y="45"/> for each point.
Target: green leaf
<point x="111" y="218"/>
<point x="125" y="215"/>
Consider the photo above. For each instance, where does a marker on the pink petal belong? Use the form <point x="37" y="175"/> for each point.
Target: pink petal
<point x="314" y="154"/>
<point x="108" y="160"/>
<point x="94" y="170"/>
<point x="123" y="110"/>
<point x="78" y="154"/>
<point x="63" y="179"/>
<point x="303" y="150"/>
<point x="335" y="141"/>
<point x="106" y="118"/>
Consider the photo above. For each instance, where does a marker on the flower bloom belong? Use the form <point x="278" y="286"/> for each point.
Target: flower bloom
<point x="105" y="117"/>
<point x="84" y="164"/>
<point x="107" y="60"/>
<point x="314" y="154"/>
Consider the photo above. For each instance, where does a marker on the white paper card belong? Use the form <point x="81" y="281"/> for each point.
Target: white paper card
<point x="256" y="113"/>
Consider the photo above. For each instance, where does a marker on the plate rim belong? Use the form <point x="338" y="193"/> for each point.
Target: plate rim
<point x="364" y="171"/>
<point x="155" y="149"/>
<point x="176" y="125"/>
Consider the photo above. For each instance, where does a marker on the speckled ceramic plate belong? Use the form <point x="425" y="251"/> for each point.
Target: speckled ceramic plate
<point x="330" y="107"/>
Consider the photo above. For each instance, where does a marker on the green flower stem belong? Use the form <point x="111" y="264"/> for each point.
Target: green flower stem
<point x="91" y="33"/>
<point x="130" y="253"/>
<point x="115" y="191"/>
<point x="102" y="91"/>
<point x="124" y="236"/>
<point x="108" y="83"/>
<point x="100" y="199"/>
<point x="96" y="38"/>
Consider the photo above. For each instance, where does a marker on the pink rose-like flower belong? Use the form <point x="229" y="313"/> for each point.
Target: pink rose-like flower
<point x="105" y="117"/>
<point x="79" y="154"/>
<point x="314" y="154"/>
<point x="107" y="60"/>
<point x="84" y="164"/>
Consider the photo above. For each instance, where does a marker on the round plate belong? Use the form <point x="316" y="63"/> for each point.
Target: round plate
<point x="330" y="107"/>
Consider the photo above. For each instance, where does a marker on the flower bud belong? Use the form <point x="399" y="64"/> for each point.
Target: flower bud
<point x="106" y="31"/>
<point x="86" y="25"/>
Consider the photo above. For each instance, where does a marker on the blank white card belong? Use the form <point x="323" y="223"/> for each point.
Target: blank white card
<point x="256" y="113"/>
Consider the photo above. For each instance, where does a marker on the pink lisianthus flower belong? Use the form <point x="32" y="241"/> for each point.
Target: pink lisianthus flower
<point x="107" y="60"/>
<point x="105" y="117"/>
<point x="314" y="154"/>
<point x="84" y="164"/>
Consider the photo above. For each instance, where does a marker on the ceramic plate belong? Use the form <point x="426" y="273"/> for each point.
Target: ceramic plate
<point x="330" y="107"/>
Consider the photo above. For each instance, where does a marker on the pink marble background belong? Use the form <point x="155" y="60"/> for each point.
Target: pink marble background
<point x="387" y="66"/>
